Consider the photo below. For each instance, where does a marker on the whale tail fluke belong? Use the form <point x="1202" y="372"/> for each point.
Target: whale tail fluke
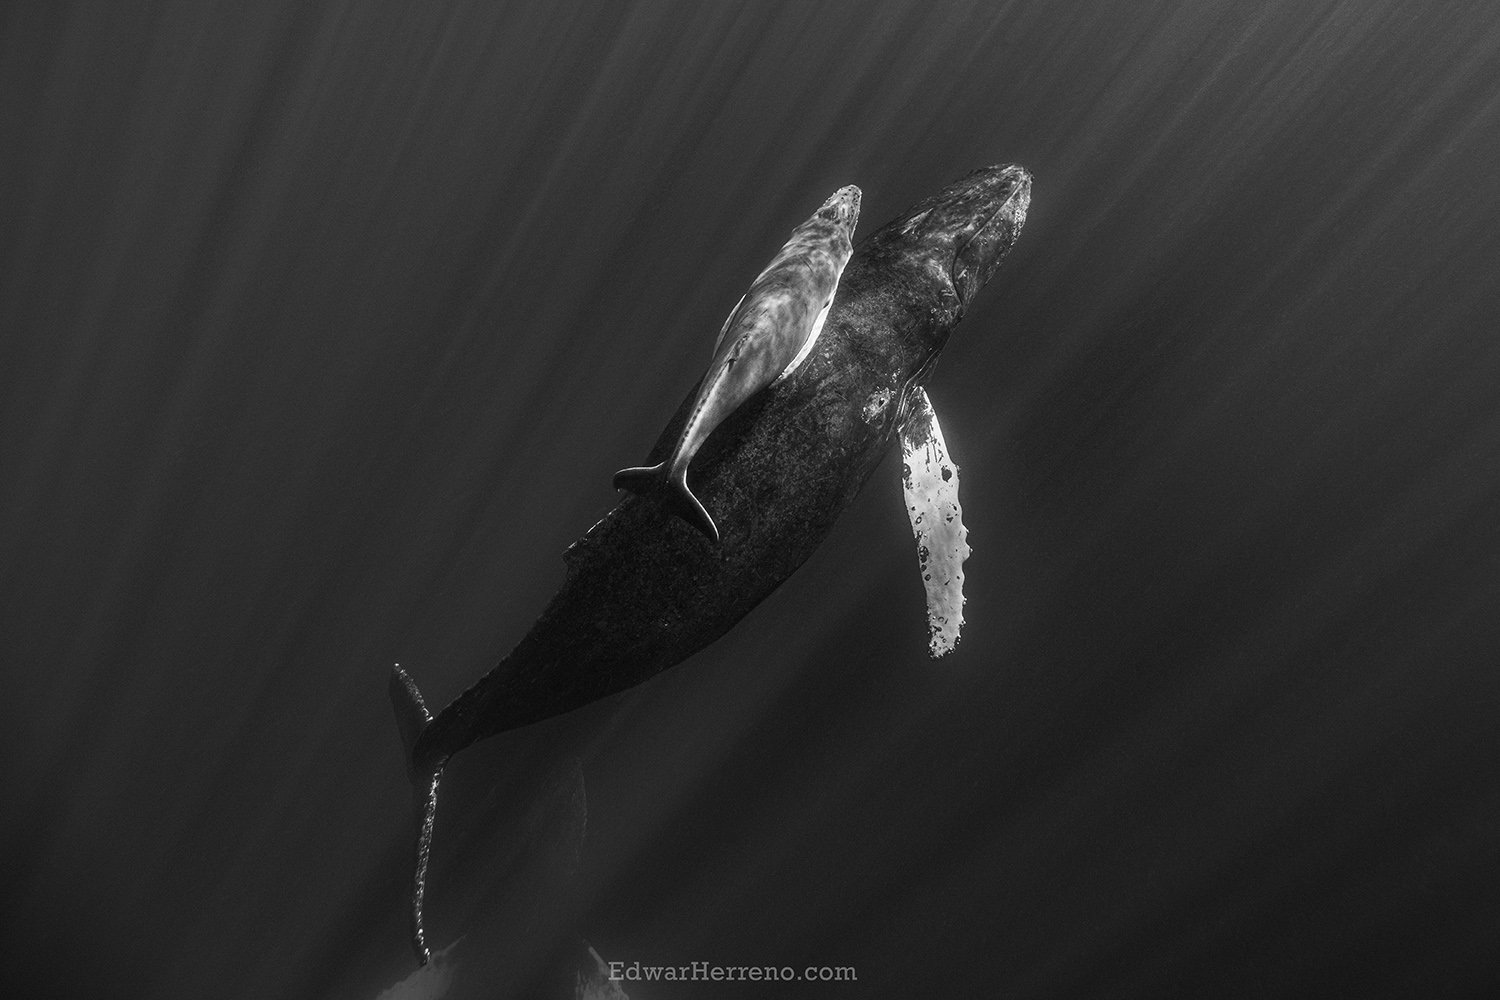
<point x="412" y="718"/>
<point x="672" y="490"/>
<point x="411" y="711"/>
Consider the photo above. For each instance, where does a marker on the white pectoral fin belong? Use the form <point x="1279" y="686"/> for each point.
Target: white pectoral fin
<point x="930" y="480"/>
<point x="727" y="321"/>
<point x="807" y="345"/>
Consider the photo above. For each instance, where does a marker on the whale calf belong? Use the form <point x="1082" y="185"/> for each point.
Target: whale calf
<point x="766" y="337"/>
<point x="643" y="589"/>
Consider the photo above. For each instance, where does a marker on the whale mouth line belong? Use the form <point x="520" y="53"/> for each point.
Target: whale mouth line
<point x="1017" y="193"/>
<point x="1015" y="202"/>
<point x="959" y="248"/>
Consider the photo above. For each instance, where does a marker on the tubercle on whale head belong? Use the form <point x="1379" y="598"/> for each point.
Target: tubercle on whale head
<point x="947" y="247"/>
<point x="985" y="245"/>
<point x="842" y="208"/>
<point x="968" y="228"/>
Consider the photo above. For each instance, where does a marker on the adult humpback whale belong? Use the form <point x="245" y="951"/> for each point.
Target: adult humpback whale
<point x="645" y="590"/>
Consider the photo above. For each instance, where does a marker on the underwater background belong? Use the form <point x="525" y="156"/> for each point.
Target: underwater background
<point x="324" y="325"/>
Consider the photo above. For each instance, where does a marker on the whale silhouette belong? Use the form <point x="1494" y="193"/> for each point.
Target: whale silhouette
<point x="643" y="589"/>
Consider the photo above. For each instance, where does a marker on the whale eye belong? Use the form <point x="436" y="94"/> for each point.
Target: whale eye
<point x="875" y="407"/>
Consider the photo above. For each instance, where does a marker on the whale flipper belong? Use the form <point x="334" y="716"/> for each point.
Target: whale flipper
<point x="929" y="477"/>
<point x="672" y="490"/>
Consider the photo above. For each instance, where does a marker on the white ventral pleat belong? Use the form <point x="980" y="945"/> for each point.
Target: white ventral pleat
<point x="930" y="480"/>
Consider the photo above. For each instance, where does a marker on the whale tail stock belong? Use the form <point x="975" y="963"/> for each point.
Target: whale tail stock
<point x="412" y="718"/>
<point x="672" y="490"/>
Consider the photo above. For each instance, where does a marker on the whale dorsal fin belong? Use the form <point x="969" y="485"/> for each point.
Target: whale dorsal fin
<point x="929" y="479"/>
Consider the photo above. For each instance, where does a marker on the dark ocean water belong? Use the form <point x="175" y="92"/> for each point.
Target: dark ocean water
<point x="323" y="326"/>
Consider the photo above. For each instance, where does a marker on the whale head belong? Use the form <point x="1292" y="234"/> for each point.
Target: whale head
<point x="842" y="209"/>
<point x="932" y="261"/>
<point x="963" y="232"/>
<point x="984" y="217"/>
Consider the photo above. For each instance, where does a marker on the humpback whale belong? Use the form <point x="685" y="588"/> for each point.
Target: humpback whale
<point x="766" y="337"/>
<point x="643" y="589"/>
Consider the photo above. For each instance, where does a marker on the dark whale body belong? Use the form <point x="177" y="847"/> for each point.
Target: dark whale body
<point x="644" y="590"/>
